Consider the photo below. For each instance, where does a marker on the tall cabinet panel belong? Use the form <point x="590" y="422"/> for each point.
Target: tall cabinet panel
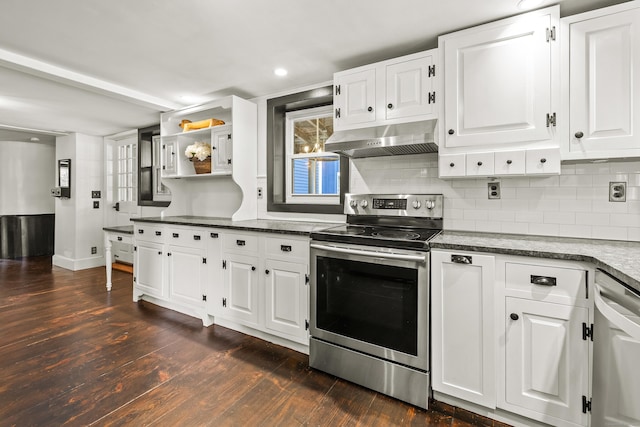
<point x="604" y="89"/>
<point x="463" y="334"/>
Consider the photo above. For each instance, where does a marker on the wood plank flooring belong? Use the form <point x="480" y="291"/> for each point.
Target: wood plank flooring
<point x="73" y="354"/>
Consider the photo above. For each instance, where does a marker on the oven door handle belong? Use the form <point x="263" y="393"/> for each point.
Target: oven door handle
<point x="405" y="257"/>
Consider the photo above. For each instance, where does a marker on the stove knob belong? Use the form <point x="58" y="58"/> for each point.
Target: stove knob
<point x="416" y="204"/>
<point x="364" y="203"/>
<point x="430" y="204"/>
<point x="353" y="203"/>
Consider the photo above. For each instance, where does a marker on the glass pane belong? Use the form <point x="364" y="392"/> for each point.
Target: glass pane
<point x="311" y="134"/>
<point x="315" y="175"/>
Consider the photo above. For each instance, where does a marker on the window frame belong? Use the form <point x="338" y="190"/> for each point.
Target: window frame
<point x="291" y="118"/>
<point x="277" y="108"/>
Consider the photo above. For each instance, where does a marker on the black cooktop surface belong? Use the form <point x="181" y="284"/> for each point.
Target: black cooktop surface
<point x="399" y="237"/>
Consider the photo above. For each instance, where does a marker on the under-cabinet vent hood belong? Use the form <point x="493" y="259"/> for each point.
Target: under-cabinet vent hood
<point x="388" y="140"/>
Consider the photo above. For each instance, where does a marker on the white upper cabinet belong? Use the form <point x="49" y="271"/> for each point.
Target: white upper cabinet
<point x="500" y="85"/>
<point x="604" y="83"/>
<point x="394" y="91"/>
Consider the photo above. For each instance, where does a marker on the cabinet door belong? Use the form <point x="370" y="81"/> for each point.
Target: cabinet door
<point x="149" y="269"/>
<point x="409" y="88"/>
<point x="463" y="334"/>
<point x="221" y="140"/>
<point x="169" y="152"/>
<point x="241" y="289"/>
<point x="497" y="82"/>
<point x="286" y="298"/>
<point x="604" y="86"/>
<point x="547" y="360"/>
<point x="186" y="272"/>
<point x="354" y="98"/>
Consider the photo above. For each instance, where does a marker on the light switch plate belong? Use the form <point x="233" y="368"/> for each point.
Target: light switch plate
<point x="95" y="194"/>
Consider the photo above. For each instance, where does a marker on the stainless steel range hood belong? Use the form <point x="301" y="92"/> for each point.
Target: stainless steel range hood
<point x="389" y="140"/>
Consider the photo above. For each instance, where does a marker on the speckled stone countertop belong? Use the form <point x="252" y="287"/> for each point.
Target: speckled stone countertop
<point x="125" y="229"/>
<point x="263" y="225"/>
<point x="620" y="259"/>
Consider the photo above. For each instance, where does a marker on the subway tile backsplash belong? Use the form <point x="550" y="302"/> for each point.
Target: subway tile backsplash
<point x="574" y="204"/>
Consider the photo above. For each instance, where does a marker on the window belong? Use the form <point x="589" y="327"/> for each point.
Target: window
<point x="151" y="190"/>
<point x="312" y="176"/>
<point x="125" y="182"/>
<point x="301" y="177"/>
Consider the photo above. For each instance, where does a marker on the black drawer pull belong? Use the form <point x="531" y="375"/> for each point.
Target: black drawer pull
<point x="461" y="259"/>
<point x="285" y="248"/>
<point x="214" y="235"/>
<point x="196" y="237"/>
<point x="240" y="242"/>
<point x="158" y="233"/>
<point x="543" y="280"/>
<point x="176" y="235"/>
<point x="119" y="239"/>
<point x="140" y="231"/>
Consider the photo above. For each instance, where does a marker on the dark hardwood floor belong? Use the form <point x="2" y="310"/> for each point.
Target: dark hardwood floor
<point x="73" y="354"/>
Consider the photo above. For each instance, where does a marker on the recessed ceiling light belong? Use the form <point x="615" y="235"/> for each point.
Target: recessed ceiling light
<point x="529" y="4"/>
<point x="280" y="72"/>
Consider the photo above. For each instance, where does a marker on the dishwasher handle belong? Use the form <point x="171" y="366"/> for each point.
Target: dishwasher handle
<point x="619" y="320"/>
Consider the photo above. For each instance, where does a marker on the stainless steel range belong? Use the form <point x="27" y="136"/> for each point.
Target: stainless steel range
<point x="370" y="294"/>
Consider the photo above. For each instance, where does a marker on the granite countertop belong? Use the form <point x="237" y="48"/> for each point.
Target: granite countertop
<point x="620" y="259"/>
<point x="124" y="229"/>
<point x="263" y="225"/>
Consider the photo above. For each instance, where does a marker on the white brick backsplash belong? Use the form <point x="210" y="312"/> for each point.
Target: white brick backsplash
<point x="573" y="204"/>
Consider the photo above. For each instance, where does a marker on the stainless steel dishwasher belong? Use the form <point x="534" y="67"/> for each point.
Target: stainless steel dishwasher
<point x="616" y="354"/>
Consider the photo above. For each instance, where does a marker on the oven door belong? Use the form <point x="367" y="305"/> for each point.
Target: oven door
<point x="373" y="300"/>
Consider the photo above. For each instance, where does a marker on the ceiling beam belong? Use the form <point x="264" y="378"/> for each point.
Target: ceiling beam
<point x="61" y="75"/>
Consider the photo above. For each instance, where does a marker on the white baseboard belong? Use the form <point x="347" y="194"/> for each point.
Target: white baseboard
<point x="77" y="264"/>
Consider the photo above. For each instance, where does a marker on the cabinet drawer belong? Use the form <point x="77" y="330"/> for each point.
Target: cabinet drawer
<point x="540" y="281"/>
<point x="276" y="247"/>
<point x="149" y="233"/>
<point x="480" y="164"/>
<point x="451" y="165"/>
<point x="188" y="237"/>
<point x="510" y="163"/>
<point x="240" y="242"/>
<point x="543" y="161"/>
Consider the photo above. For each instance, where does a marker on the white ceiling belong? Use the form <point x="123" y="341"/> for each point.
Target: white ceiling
<point x="99" y="67"/>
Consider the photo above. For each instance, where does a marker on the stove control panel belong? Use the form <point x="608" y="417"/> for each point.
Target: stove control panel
<point x="407" y="205"/>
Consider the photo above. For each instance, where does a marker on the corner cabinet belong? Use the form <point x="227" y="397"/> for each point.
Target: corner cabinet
<point x="500" y="82"/>
<point x="463" y="332"/>
<point x="388" y="92"/>
<point x="602" y="74"/>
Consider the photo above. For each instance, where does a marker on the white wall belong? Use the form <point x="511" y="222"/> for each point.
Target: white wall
<point x="574" y="204"/>
<point x="27" y="174"/>
<point x="78" y="224"/>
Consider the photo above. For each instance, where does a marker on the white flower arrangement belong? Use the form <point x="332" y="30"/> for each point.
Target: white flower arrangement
<point x="201" y="150"/>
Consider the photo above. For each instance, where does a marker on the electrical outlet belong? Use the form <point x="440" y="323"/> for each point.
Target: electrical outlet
<point x="493" y="190"/>
<point x="94" y="250"/>
<point x="259" y="192"/>
<point x="96" y="204"/>
<point x="95" y="194"/>
<point x="617" y="191"/>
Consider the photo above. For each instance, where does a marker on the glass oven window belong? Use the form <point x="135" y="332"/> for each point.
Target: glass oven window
<point x="370" y="302"/>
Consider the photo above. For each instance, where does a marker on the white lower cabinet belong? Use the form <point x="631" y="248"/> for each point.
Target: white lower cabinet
<point x="463" y="331"/>
<point x="513" y="335"/>
<point x="186" y="271"/>
<point x="149" y="270"/>
<point x="240" y="302"/>
<point x="286" y="298"/>
<point x="546" y="359"/>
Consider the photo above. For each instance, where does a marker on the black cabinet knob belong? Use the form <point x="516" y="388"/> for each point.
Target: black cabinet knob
<point x="514" y="316"/>
<point x="509" y="162"/>
<point x="452" y="164"/>
<point x="579" y="134"/>
<point x="479" y="163"/>
<point x="266" y="272"/>
<point x="389" y="106"/>
<point x="543" y="160"/>
<point x="370" y="109"/>
<point x="253" y="268"/>
<point x="451" y="131"/>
